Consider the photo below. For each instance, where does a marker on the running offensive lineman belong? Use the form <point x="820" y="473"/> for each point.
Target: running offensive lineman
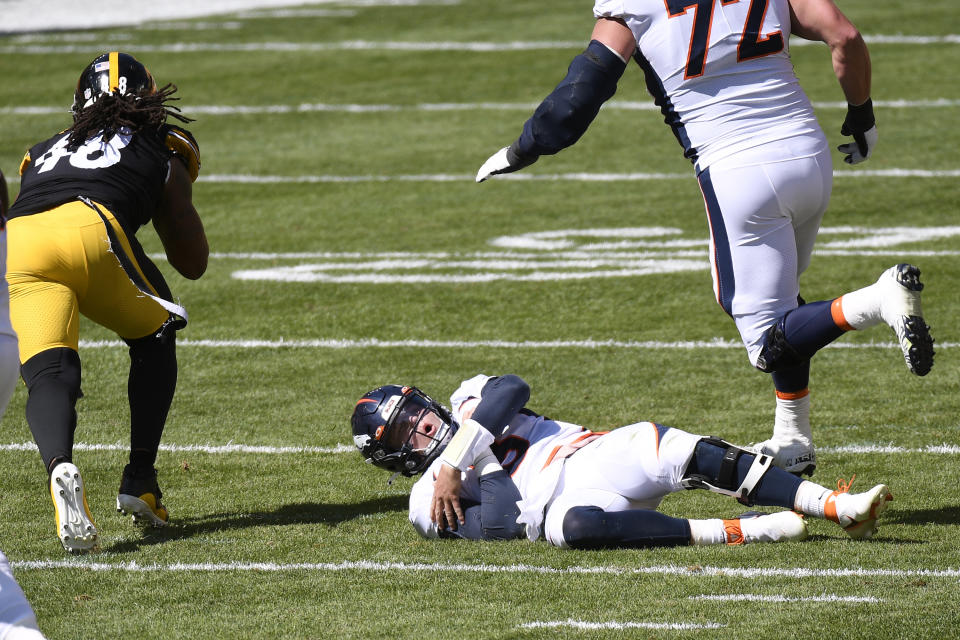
<point x="494" y="470"/>
<point x="84" y="193"/>
<point x="722" y="76"/>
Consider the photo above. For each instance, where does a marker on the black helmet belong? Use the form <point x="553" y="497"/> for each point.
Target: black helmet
<point x="112" y="72"/>
<point x="384" y="421"/>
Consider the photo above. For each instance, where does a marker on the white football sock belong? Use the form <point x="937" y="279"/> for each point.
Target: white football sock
<point x="861" y="308"/>
<point x="811" y="498"/>
<point x="792" y="420"/>
<point x="704" y="532"/>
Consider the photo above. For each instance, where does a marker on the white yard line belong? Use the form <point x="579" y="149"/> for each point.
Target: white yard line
<point x="583" y="625"/>
<point x="232" y="448"/>
<point x="245" y="178"/>
<point x="614" y="105"/>
<point x="402" y="46"/>
<point x="546" y="177"/>
<point x="229" y="448"/>
<point x="749" y="597"/>
<point x="376" y="343"/>
<point x="24" y="16"/>
<point x="746" y="573"/>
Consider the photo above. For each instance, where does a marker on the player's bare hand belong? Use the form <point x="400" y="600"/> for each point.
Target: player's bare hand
<point x="445" y="508"/>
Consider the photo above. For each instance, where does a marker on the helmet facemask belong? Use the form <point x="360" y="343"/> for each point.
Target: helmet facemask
<point x="416" y="430"/>
<point x="406" y="431"/>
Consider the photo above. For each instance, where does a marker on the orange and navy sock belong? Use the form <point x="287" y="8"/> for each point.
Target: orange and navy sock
<point x="810" y="327"/>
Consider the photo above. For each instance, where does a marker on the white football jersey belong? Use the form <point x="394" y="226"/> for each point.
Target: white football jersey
<point x="720" y="71"/>
<point x="525" y="448"/>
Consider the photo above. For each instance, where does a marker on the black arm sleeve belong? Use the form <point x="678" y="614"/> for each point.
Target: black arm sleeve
<point x="501" y="398"/>
<point x="565" y="114"/>
<point x="495" y="518"/>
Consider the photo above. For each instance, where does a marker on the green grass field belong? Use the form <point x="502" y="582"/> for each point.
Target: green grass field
<point x="352" y="248"/>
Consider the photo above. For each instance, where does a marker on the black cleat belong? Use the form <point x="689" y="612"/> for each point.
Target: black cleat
<point x="140" y="495"/>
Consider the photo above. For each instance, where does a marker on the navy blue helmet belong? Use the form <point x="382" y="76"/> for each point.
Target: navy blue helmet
<point x="400" y="429"/>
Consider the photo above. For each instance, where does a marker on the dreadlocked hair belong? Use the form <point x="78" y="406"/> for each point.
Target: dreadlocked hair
<point x="112" y="112"/>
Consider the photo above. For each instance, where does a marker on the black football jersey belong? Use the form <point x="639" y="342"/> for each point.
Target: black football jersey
<point x="125" y="173"/>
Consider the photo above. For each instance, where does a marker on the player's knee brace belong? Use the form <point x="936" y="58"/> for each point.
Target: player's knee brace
<point x="777" y="353"/>
<point x="715" y="467"/>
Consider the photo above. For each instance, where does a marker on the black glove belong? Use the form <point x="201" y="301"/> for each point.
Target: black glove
<point x="860" y="124"/>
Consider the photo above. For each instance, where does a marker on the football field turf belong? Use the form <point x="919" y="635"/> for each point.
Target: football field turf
<point x="352" y="248"/>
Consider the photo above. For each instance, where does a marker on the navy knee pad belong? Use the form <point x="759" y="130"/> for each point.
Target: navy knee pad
<point x="590" y="527"/>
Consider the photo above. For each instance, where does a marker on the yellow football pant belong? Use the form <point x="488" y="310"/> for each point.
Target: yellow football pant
<point x="59" y="265"/>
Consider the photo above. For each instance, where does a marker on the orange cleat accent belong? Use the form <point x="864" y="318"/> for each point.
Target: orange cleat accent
<point x="857" y="513"/>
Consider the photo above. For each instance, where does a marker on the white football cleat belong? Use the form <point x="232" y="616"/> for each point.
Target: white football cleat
<point x="794" y="456"/>
<point x="783" y="526"/>
<point x="857" y="513"/>
<point x="899" y="290"/>
<point x="75" y="527"/>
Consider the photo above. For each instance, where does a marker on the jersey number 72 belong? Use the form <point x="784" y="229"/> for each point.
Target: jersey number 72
<point x="751" y="44"/>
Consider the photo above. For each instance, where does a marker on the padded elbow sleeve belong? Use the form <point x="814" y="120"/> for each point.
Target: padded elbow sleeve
<point x="502" y="397"/>
<point x="499" y="510"/>
<point x="495" y="517"/>
<point x="566" y="113"/>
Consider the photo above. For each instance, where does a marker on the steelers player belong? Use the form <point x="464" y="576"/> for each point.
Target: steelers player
<point x="72" y="249"/>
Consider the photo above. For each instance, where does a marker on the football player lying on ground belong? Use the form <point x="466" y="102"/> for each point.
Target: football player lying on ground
<point x="494" y="470"/>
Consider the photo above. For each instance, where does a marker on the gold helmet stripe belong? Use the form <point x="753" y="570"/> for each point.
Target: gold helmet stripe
<point x="114" y="70"/>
